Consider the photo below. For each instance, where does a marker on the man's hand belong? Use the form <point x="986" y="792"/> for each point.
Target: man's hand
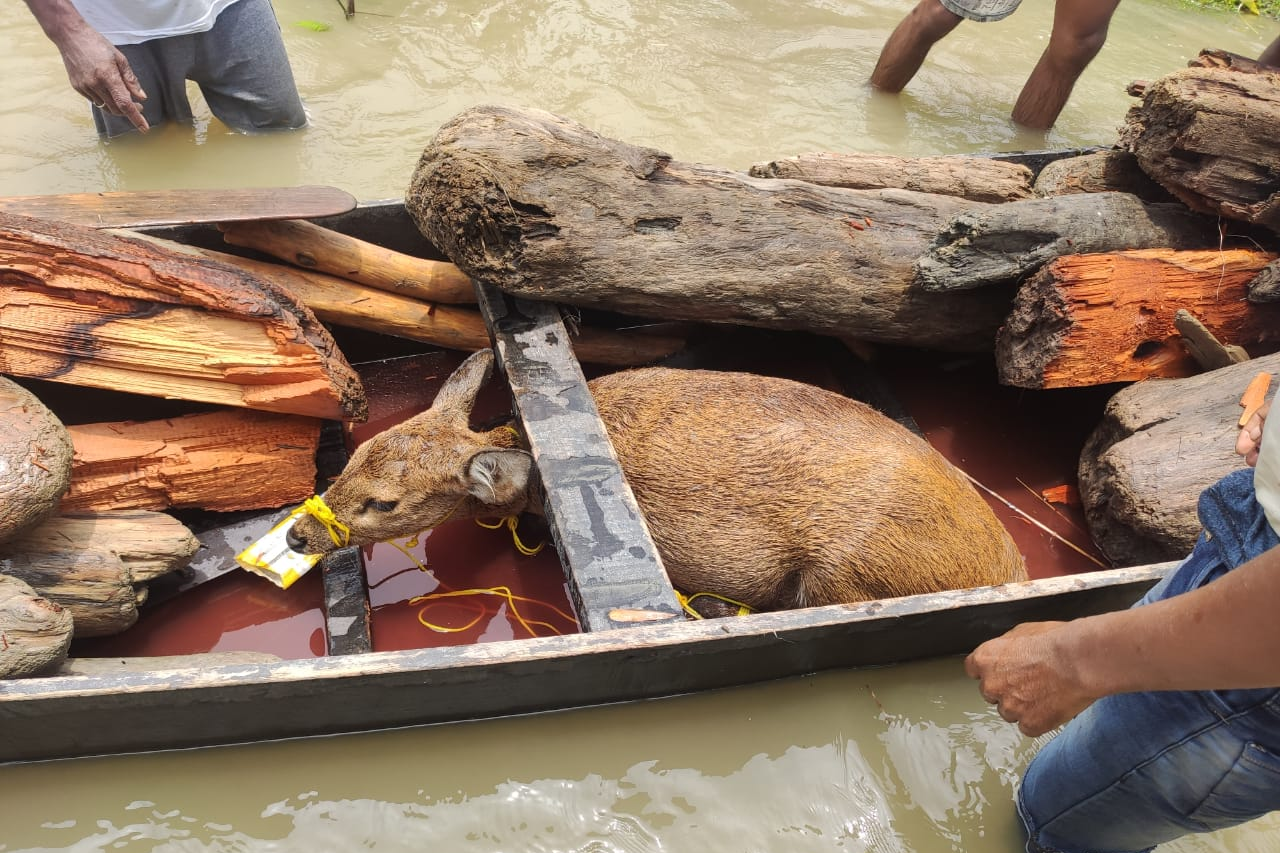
<point x="101" y="73"/>
<point x="1250" y="437"/>
<point x="1029" y="677"/>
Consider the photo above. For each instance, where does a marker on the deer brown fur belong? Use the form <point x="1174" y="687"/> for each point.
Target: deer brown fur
<point x="770" y="492"/>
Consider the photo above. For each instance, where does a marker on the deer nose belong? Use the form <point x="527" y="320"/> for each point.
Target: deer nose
<point x="295" y="541"/>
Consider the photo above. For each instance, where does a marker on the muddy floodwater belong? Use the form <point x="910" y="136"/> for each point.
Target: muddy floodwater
<point x="724" y="82"/>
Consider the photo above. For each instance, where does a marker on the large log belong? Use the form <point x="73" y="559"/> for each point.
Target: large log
<point x="545" y="209"/>
<point x="975" y="178"/>
<point x="97" y="565"/>
<point x="224" y="461"/>
<point x="1208" y="135"/>
<point x="35" y="633"/>
<point x="1112" y="170"/>
<point x="90" y="308"/>
<point x="35" y="460"/>
<point x="1094" y="319"/>
<point x="1005" y="244"/>
<point x="1158" y="445"/>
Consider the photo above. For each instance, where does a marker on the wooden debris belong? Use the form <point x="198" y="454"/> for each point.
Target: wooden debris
<point x="35" y="460"/>
<point x="974" y="178"/>
<point x="1004" y="244"/>
<point x="89" y="308"/>
<point x="1094" y="319"/>
<point x="224" y="460"/>
<point x="1265" y="286"/>
<point x="1097" y="172"/>
<point x="1203" y="346"/>
<point x="543" y="208"/>
<point x="97" y="566"/>
<point x="1158" y="446"/>
<point x="35" y="633"/>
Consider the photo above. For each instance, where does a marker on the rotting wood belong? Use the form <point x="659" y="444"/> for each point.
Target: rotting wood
<point x="1208" y="352"/>
<point x="35" y="633"/>
<point x="35" y="460"/>
<point x="85" y="307"/>
<point x="543" y="208"/>
<point x="223" y="461"/>
<point x="1113" y="170"/>
<point x="974" y="178"/>
<point x="312" y="247"/>
<point x="1004" y="244"/>
<point x="1159" y="444"/>
<point x="1095" y="319"/>
<point x="1265" y="286"/>
<point x="97" y="565"/>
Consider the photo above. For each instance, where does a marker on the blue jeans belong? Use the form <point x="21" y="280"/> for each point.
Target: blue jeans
<point x="1138" y="769"/>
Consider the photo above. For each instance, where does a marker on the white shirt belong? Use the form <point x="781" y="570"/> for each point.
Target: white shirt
<point x="136" y="21"/>
<point x="1266" y="474"/>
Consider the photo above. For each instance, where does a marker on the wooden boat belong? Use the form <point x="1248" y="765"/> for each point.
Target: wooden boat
<point x="634" y="643"/>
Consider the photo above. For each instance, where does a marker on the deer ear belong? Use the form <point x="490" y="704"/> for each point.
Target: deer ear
<point x="458" y="394"/>
<point x="498" y="477"/>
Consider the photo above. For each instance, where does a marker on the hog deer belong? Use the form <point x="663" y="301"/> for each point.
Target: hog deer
<point x="767" y="491"/>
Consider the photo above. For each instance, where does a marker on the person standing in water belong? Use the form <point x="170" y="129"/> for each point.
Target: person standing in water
<point x="131" y="59"/>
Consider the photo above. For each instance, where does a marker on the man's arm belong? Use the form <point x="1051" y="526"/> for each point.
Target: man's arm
<point x="96" y="69"/>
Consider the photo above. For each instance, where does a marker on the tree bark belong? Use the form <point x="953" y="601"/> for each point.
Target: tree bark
<point x="1159" y="445"/>
<point x="974" y="178"/>
<point x="1265" y="286"/>
<point x="1102" y="171"/>
<point x="1094" y="319"/>
<point x="97" y="566"/>
<point x="1208" y="136"/>
<point x="1005" y="244"/>
<point x="35" y="633"/>
<point x="222" y="461"/>
<point x="545" y="209"/>
<point x="35" y="460"/>
<point x="90" y="308"/>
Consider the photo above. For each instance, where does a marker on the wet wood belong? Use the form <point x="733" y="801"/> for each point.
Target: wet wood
<point x="116" y="666"/>
<point x="543" y="208"/>
<point x="1208" y="136"/>
<point x="1005" y="244"/>
<point x="1158" y="446"/>
<point x="139" y="208"/>
<point x="35" y="633"/>
<point x="96" y="566"/>
<point x="1094" y="319"/>
<point x="1265" y="286"/>
<point x="35" y="460"/>
<point x="974" y="178"/>
<point x="319" y="249"/>
<point x="85" y="307"/>
<point x="224" y="460"/>
<point x="347" y="616"/>
<point x="1112" y="170"/>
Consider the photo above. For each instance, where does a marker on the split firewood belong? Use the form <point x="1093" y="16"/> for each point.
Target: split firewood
<point x="1208" y="136"/>
<point x="1159" y="445"/>
<point x="543" y="208"/>
<point x="86" y="307"/>
<point x="97" y="566"/>
<point x="1265" y="286"/>
<point x="35" y="460"/>
<point x="223" y="461"/>
<point x="35" y="633"/>
<point x="975" y="178"/>
<point x="345" y="303"/>
<point x="1004" y="244"/>
<point x="1094" y="319"/>
<point x="1099" y="172"/>
<point x="319" y="249"/>
<point x="1203" y="346"/>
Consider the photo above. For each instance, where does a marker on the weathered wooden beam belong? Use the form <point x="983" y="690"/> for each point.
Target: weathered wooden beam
<point x="347" y="616"/>
<point x="1112" y="170"/>
<point x="974" y="178"/>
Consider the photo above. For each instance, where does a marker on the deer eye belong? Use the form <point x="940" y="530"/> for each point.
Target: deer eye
<point x="377" y="505"/>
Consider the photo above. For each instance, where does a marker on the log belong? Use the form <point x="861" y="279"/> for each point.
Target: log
<point x="319" y="249"/>
<point x="85" y="307"/>
<point x="1094" y="319"/>
<point x="35" y="460"/>
<point x="1099" y="172"/>
<point x="223" y="461"/>
<point x="974" y="178"/>
<point x="1208" y="136"/>
<point x="96" y="566"/>
<point x="345" y="303"/>
<point x="1005" y="244"/>
<point x="35" y="633"/>
<point x="1265" y="286"/>
<point x="1159" y="444"/>
<point x="1202" y="345"/>
<point x="544" y="209"/>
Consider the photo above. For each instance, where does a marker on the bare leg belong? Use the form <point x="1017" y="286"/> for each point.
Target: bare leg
<point x="1271" y="56"/>
<point x="1079" y="31"/>
<point x="906" y="48"/>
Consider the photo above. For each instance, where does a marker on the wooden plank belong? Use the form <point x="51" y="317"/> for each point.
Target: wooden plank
<point x="347" y="615"/>
<point x="143" y="208"/>
<point x="87" y="715"/>
<point x="615" y="573"/>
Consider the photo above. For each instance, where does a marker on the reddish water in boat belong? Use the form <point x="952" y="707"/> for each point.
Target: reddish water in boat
<point x="1015" y="444"/>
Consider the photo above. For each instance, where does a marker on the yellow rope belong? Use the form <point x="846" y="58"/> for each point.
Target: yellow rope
<point x="502" y="592"/>
<point x="686" y="601"/>
<point x="319" y="510"/>
<point x="511" y="522"/>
